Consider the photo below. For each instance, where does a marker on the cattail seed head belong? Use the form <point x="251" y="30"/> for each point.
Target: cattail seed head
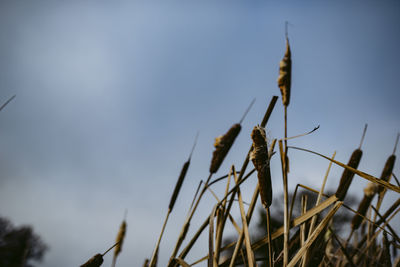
<point x="371" y="189"/>
<point x="387" y="170"/>
<point x="120" y="238"/>
<point x="362" y="211"/>
<point x="178" y="185"/>
<point x="285" y="75"/>
<point x="222" y="145"/>
<point x="385" y="257"/>
<point x="348" y="175"/>
<point x="95" y="261"/>
<point x="259" y="157"/>
<point x="146" y="263"/>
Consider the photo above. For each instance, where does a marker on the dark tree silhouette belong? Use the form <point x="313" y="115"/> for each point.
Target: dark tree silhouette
<point x="19" y="245"/>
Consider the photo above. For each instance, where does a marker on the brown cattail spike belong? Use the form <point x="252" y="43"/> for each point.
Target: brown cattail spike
<point x="387" y="170"/>
<point x="260" y="159"/>
<point x="146" y="263"/>
<point x="120" y="238"/>
<point x="178" y="185"/>
<point x="285" y="74"/>
<point x="95" y="261"/>
<point x="347" y="175"/>
<point x="385" y="258"/>
<point x="222" y="145"/>
<point x="369" y="191"/>
<point x="181" y="177"/>
<point x="224" y="142"/>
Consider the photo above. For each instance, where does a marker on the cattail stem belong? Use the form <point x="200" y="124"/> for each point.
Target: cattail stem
<point x="247" y="111"/>
<point x="186" y="225"/>
<point x="285" y="206"/>
<point x="395" y="145"/>
<point x="109" y="249"/>
<point x="270" y="255"/>
<point x="6" y="103"/>
<point x="363" y="135"/>
<point x="155" y="252"/>
<point x="349" y="237"/>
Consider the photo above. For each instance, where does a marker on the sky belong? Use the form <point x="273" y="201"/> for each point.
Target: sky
<point x="110" y="95"/>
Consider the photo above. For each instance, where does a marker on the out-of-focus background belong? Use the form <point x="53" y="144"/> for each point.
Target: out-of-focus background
<point x="110" y="96"/>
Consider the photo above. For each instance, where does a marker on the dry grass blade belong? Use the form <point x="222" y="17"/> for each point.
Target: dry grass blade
<point x="180" y="262"/>
<point x="342" y="248"/>
<point x="375" y="235"/>
<point x="320" y="194"/>
<point x="221" y="224"/>
<point x="258" y="244"/>
<point x="186" y="250"/>
<point x="297" y="221"/>
<point x="285" y="206"/>
<point x="250" y="255"/>
<point x="359" y="173"/>
<point x="392" y="231"/>
<point x="386" y="258"/>
<point x="315" y="234"/>
<point x="303" y="226"/>
<point x="211" y="259"/>
<point x="241" y="233"/>
<point x="6" y="103"/>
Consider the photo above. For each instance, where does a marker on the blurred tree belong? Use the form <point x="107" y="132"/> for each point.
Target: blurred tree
<point x="19" y="246"/>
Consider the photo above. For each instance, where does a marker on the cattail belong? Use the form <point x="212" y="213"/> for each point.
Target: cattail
<point x="260" y="159"/>
<point x="224" y="142"/>
<point x="369" y="192"/>
<point x="178" y="185"/>
<point x="146" y="263"/>
<point x="222" y="145"/>
<point x="389" y="165"/>
<point x="285" y="75"/>
<point x="347" y="176"/>
<point x="182" y="176"/>
<point x="95" y="261"/>
<point x="385" y="258"/>
<point x="119" y="240"/>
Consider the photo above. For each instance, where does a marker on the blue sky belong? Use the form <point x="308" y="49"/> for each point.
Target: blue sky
<point x="111" y="95"/>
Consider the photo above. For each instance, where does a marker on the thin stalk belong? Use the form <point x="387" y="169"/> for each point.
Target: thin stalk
<point x="6" y="103"/>
<point x="270" y="260"/>
<point x="285" y="206"/>
<point x="155" y="252"/>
